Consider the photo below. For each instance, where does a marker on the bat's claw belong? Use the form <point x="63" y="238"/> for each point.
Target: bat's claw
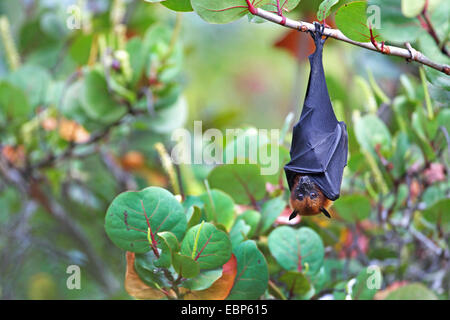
<point x="325" y="212"/>
<point x="317" y="34"/>
<point x="293" y="215"/>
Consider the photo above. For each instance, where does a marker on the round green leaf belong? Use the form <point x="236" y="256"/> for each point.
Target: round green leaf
<point x="353" y="207"/>
<point x="243" y="144"/>
<point x="370" y="131"/>
<point x="295" y="248"/>
<point x="203" y="280"/>
<point x="239" y="233"/>
<point x="351" y="19"/>
<point x="193" y="215"/>
<point x="167" y="119"/>
<point x="240" y="181"/>
<point x="394" y="26"/>
<point x="126" y="222"/>
<point x="34" y="80"/>
<point x="270" y="211"/>
<point x="97" y="101"/>
<point x="412" y="8"/>
<point x="296" y="282"/>
<point x="178" y="5"/>
<point x="185" y="266"/>
<point x="269" y="165"/>
<point x="168" y="244"/>
<point x="144" y="264"/>
<point x="252" y="219"/>
<point x="14" y="106"/>
<point x="368" y="282"/>
<point x="219" y="207"/>
<point x="223" y="11"/>
<point x="412" y="291"/>
<point x="252" y="273"/>
<point x="81" y="48"/>
<point x="324" y="9"/>
<point x="207" y="245"/>
<point x="439" y="213"/>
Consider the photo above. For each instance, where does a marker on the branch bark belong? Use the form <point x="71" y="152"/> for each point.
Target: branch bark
<point x="338" y="35"/>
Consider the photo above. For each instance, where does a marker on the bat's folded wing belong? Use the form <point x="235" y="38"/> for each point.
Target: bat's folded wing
<point x="320" y="154"/>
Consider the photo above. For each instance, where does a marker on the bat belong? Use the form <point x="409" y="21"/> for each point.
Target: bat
<point x="319" y="144"/>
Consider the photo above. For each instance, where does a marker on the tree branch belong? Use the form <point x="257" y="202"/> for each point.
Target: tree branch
<point x="338" y="35"/>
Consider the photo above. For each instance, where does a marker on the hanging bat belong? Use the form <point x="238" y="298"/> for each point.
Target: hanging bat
<point x="319" y="144"/>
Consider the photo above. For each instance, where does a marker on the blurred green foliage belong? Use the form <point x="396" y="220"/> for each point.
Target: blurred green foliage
<point x="81" y="110"/>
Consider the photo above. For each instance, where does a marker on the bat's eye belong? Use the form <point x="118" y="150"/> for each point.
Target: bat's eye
<point x="300" y="196"/>
<point x="313" y="195"/>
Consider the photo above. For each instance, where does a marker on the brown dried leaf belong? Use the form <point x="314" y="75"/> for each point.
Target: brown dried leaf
<point x="221" y="288"/>
<point x="135" y="286"/>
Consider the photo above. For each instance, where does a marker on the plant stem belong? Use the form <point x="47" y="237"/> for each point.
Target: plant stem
<point x="10" y="48"/>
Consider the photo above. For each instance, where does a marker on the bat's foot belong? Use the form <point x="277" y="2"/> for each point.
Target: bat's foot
<point x="317" y="34"/>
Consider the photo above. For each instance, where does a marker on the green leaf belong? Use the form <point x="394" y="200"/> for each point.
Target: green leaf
<point x="238" y="233"/>
<point x="324" y="9"/>
<point x="81" y="48"/>
<point x="366" y="284"/>
<point x="34" y="80"/>
<point x="269" y="165"/>
<point x="252" y="218"/>
<point x="97" y="101"/>
<point x="435" y="193"/>
<point x="270" y="211"/>
<point x="371" y="131"/>
<point x="185" y="266"/>
<point x="193" y="215"/>
<point x="353" y="208"/>
<point x="242" y="144"/>
<point x="439" y="213"/>
<point x="207" y="245"/>
<point x="412" y="291"/>
<point x="252" y="273"/>
<point x="351" y="19"/>
<point x="169" y="245"/>
<point x="144" y="264"/>
<point x="240" y="181"/>
<point x="297" y="249"/>
<point x="14" y="107"/>
<point x="166" y="120"/>
<point x="296" y="282"/>
<point x="224" y="11"/>
<point x="71" y="106"/>
<point x="203" y="280"/>
<point x="178" y="5"/>
<point x="394" y="26"/>
<point x="412" y="8"/>
<point x="126" y="223"/>
<point x="138" y="58"/>
<point x="219" y="207"/>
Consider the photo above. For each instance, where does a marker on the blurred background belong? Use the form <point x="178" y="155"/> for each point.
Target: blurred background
<point x="69" y="145"/>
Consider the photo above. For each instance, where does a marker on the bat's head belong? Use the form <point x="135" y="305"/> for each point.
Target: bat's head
<point x="307" y="199"/>
<point x="305" y="189"/>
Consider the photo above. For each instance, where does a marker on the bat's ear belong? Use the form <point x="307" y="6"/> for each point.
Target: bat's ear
<point x="325" y="212"/>
<point x="293" y="215"/>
